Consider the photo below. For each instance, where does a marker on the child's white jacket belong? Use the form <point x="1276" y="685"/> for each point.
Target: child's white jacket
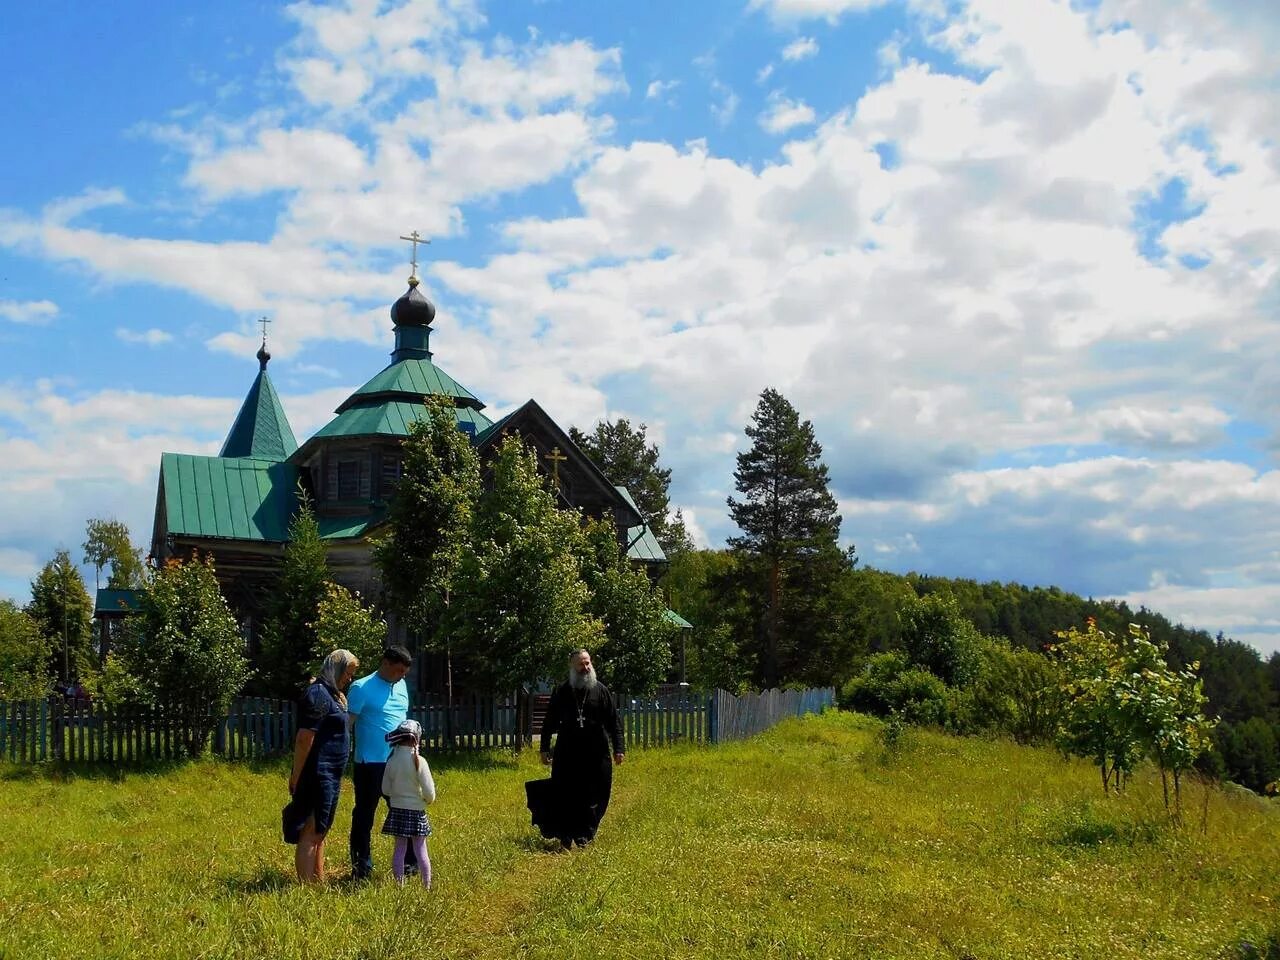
<point x="409" y="789"/>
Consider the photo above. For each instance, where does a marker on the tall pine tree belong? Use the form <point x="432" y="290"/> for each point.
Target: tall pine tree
<point x="789" y="525"/>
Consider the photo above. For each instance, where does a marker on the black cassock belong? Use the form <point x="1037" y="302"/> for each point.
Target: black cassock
<point x="588" y="732"/>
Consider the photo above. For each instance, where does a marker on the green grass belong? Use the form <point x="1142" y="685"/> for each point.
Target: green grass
<point x="810" y="841"/>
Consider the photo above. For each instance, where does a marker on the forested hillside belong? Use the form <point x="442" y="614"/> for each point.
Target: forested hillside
<point x="860" y="613"/>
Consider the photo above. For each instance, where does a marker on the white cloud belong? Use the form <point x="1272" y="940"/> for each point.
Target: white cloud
<point x="724" y="109"/>
<point x="800" y="49"/>
<point x="36" y="312"/>
<point x="152" y="337"/>
<point x="658" y="89"/>
<point x="830" y="10"/>
<point x="282" y="160"/>
<point x="783" y="114"/>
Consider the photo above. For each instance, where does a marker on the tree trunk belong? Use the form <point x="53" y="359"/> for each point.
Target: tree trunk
<point x="771" y="626"/>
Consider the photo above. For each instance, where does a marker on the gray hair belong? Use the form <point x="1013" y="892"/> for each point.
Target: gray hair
<point x="334" y="668"/>
<point x="574" y="656"/>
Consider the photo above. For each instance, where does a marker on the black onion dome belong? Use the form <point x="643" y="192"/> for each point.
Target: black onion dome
<point x="413" y="309"/>
<point x="263" y="356"/>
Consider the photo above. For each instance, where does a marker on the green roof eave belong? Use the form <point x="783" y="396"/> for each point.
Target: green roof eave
<point x="412" y="379"/>
<point x="342" y="528"/>
<point x="386" y="417"/>
<point x="641" y="543"/>
<point x="672" y="617"/>
<point x="117" y="602"/>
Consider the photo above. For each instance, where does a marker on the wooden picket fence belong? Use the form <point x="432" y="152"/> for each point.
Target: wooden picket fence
<point x="665" y="720"/>
<point x="736" y="718"/>
<point x="77" y="731"/>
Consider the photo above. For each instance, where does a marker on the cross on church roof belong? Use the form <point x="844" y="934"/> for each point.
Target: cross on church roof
<point x="264" y="321"/>
<point x="556" y="458"/>
<point x="414" y="238"/>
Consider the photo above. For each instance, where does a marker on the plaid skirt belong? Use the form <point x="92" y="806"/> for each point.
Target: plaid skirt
<point x="407" y="823"/>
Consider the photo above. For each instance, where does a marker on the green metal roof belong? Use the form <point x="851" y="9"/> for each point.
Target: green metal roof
<point x="413" y="378"/>
<point x="241" y="498"/>
<point x="388" y="417"/>
<point x="678" y="620"/>
<point x="261" y="429"/>
<point x="644" y="545"/>
<point x="338" y="528"/>
<point x="117" y="602"/>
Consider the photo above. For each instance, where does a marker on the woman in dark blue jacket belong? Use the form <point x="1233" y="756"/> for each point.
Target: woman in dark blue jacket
<point x="319" y="760"/>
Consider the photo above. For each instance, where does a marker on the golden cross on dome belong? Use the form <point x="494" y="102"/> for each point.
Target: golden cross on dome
<point x="556" y="458"/>
<point x="414" y="238"/>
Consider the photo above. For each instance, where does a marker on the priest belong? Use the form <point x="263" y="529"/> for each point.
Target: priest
<point x="588" y="732"/>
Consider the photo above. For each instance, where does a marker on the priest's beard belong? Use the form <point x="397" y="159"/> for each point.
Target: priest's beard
<point x="582" y="681"/>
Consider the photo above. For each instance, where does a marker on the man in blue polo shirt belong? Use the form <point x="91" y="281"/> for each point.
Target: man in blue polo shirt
<point x="377" y="703"/>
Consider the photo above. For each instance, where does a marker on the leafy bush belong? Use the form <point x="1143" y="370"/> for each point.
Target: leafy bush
<point x="939" y="638"/>
<point x="888" y="685"/>
<point x="24" y="671"/>
<point x="342" y="621"/>
<point x="1014" y="691"/>
<point x="184" y="649"/>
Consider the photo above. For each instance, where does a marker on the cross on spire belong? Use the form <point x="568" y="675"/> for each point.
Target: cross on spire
<point x="264" y="321"/>
<point x="414" y="238"/>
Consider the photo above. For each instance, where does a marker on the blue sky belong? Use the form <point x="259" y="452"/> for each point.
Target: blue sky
<point x="1017" y="261"/>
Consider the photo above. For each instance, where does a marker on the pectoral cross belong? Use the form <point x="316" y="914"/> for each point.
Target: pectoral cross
<point x="414" y="238"/>
<point x="581" y="721"/>
<point x="556" y="458"/>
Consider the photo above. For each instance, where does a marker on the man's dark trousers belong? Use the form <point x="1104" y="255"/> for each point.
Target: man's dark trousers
<point x="368" y="784"/>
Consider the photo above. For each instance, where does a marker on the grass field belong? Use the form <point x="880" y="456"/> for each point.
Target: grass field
<point x="810" y="841"/>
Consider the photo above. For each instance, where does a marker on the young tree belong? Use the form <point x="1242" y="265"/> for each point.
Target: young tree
<point x="1168" y="708"/>
<point x="1100" y="721"/>
<point x="635" y="654"/>
<point x="342" y="621"/>
<point x="788" y="519"/>
<point x="107" y="542"/>
<point x="518" y="603"/>
<point x="63" y="610"/>
<point x="184" y="649"/>
<point x="289" y="635"/>
<point x="24" y="664"/>
<point x="626" y="457"/>
<point x="429" y="521"/>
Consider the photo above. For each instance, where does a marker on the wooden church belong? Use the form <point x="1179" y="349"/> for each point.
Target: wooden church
<point x="237" y="506"/>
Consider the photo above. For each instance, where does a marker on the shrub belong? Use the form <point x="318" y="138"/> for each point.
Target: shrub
<point x="888" y="685"/>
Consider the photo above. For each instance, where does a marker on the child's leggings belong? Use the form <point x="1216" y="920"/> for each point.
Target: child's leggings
<point x="419" y="851"/>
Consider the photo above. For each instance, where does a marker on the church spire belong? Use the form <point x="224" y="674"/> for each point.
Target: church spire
<point x="261" y="429"/>
<point x="412" y="314"/>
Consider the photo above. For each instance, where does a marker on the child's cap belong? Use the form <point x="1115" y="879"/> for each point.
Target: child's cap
<point x="406" y="731"/>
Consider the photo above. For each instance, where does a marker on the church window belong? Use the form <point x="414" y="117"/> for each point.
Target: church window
<point x="352" y="480"/>
<point x="391" y="469"/>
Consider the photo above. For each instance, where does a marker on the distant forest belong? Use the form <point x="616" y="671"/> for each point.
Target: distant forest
<point x="859" y="616"/>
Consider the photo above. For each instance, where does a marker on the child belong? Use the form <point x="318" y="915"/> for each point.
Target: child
<point x="407" y="784"/>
